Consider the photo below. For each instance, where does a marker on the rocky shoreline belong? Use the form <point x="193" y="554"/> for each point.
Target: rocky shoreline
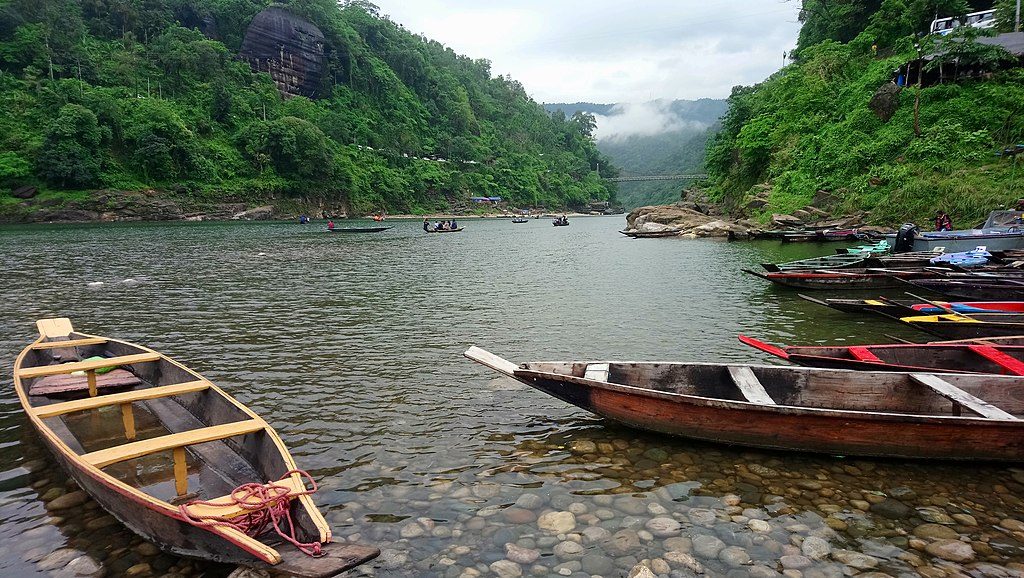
<point x="692" y="219"/>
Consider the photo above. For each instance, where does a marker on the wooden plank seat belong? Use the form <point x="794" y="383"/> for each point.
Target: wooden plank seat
<point x="749" y="385"/>
<point x="597" y="372"/>
<point x="863" y="354"/>
<point x="960" y="397"/>
<point x="175" y="441"/>
<point x="119" y="398"/>
<point x="226" y="506"/>
<point x="69" y="343"/>
<point x="65" y="368"/>
<point x="1010" y="364"/>
<point x="54" y="384"/>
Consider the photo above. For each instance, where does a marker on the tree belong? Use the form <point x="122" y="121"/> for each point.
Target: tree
<point x="71" y="153"/>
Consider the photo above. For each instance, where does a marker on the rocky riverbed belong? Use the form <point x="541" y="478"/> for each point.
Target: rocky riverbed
<point x="621" y="502"/>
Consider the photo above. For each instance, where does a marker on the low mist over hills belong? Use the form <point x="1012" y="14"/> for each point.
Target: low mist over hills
<point x="658" y="137"/>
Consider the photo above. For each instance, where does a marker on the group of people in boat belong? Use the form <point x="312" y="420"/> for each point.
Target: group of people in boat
<point x="440" y="225"/>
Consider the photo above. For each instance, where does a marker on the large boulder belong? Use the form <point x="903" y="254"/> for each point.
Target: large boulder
<point x="885" y="101"/>
<point x="288" y="47"/>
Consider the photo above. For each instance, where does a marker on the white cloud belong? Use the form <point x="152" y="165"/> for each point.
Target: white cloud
<point x="604" y="51"/>
<point x="642" y="119"/>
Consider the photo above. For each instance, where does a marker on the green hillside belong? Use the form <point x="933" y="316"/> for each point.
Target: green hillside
<point x="809" y="131"/>
<point x="149" y="94"/>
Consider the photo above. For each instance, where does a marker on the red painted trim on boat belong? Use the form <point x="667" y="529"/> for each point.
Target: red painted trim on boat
<point x="765" y="347"/>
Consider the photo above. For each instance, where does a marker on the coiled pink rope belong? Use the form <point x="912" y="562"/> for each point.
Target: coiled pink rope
<point x="265" y="505"/>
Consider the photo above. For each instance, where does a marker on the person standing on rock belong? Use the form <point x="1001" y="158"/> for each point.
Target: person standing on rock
<point x="943" y="222"/>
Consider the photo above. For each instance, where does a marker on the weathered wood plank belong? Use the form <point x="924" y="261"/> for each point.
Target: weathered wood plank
<point x="102" y="458"/>
<point x="118" y="398"/>
<point x="957" y="395"/>
<point x="69" y="343"/>
<point x="64" y="368"/>
<point x="597" y="372"/>
<point x="749" y="385"/>
<point x="487" y="358"/>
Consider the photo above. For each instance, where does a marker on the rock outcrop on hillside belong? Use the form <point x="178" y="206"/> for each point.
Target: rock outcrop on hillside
<point x="288" y="47"/>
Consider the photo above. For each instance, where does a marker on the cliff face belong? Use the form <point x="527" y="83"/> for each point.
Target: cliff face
<point x="288" y="47"/>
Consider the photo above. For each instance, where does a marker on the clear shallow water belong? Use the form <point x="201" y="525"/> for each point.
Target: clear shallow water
<point x="350" y="345"/>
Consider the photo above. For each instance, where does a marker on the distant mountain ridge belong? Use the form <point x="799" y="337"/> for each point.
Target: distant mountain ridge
<point x="657" y="137"/>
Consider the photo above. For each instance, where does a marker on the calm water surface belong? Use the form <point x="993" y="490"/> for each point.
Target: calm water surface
<point x="350" y="345"/>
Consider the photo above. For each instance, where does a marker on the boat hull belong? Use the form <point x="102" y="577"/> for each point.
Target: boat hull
<point x="788" y="428"/>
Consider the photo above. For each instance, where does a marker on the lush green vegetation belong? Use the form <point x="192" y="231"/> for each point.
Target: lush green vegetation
<point x="809" y="128"/>
<point x="148" y="94"/>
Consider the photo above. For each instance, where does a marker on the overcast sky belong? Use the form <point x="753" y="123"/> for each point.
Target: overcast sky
<point x="610" y="52"/>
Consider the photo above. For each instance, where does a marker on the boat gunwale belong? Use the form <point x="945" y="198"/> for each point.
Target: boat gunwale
<point x="777" y="408"/>
<point x="243" y="541"/>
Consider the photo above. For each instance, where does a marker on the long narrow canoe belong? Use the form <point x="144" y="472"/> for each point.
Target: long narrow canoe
<point x="843" y="278"/>
<point x="902" y="308"/>
<point x="357" y="229"/>
<point x="164" y="450"/>
<point x="974" y="289"/>
<point x="833" y="411"/>
<point x="947" y="358"/>
<point x="959" y="326"/>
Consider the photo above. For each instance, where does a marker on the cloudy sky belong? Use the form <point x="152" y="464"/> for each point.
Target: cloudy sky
<point x="608" y="52"/>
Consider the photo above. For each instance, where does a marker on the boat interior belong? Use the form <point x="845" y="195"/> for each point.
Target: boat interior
<point x="945" y="395"/>
<point x="150" y="423"/>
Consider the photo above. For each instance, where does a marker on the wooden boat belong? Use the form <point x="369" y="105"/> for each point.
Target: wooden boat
<point x="651" y="234"/>
<point x="357" y="229"/>
<point x="902" y="308"/>
<point x="196" y="445"/>
<point x="974" y="288"/>
<point x="947" y="358"/>
<point x="843" y="279"/>
<point x="445" y="230"/>
<point x="834" y="411"/>
<point x="960" y="326"/>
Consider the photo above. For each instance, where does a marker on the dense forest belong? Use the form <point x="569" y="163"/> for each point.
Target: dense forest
<point x="810" y="132"/>
<point x="150" y="94"/>
<point x="677" y="148"/>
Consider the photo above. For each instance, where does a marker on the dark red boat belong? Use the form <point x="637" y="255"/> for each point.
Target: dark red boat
<point x="947" y="358"/>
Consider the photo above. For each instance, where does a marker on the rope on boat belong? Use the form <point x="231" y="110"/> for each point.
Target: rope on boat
<point x="265" y="505"/>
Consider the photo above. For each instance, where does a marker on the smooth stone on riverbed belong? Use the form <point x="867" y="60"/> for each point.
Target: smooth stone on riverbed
<point x="663" y="527"/>
<point x="856" y="559"/>
<point x="557" y="522"/>
<point x="952" y="550"/>
<point x="521" y="555"/>
<point x="66" y="501"/>
<point x="506" y="569"/>
<point x="707" y="546"/>
<point x="935" y="532"/>
<point x="815" y="548"/>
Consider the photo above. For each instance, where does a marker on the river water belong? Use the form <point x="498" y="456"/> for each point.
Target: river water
<point x="350" y="345"/>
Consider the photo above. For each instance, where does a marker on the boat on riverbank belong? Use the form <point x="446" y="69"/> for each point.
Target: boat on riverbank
<point x="927" y="357"/>
<point x="172" y="456"/>
<point x="884" y="414"/>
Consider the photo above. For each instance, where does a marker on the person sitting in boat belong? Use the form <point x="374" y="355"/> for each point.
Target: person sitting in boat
<point x="330" y="225"/>
<point x="942" y="221"/>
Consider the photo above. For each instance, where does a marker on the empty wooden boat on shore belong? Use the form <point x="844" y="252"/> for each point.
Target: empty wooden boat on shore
<point x="174" y="457"/>
<point x="834" y="411"/>
<point x="927" y="357"/>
